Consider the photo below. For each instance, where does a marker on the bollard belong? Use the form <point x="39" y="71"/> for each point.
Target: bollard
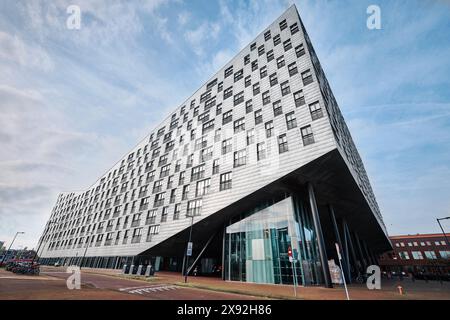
<point x="131" y="269"/>
<point x="400" y="290"/>
<point x="139" y="270"/>
<point x="147" y="271"/>
<point x="124" y="270"/>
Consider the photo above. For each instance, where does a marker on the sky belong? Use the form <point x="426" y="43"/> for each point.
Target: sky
<point x="73" y="102"/>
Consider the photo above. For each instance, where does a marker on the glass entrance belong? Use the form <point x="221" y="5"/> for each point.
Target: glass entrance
<point x="256" y="246"/>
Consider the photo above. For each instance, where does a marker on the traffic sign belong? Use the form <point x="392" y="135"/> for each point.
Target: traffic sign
<point x="189" y="249"/>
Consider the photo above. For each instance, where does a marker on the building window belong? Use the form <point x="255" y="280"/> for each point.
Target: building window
<point x="165" y="171"/>
<point x="261" y="50"/>
<point x="219" y="86"/>
<point x="185" y="193"/>
<point x="238" y="98"/>
<point x="228" y="71"/>
<point x="299" y="98"/>
<point x="194" y="207"/>
<point x="215" y="168"/>
<point x="159" y="199"/>
<point x="307" y="135"/>
<point x="173" y="193"/>
<point x="202" y="187"/>
<point x="256" y="88"/>
<point x="239" y="125"/>
<point x="417" y="255"/>
<point x="238" y="75"/>
<point x="208" y="126"/>
<point x="228" y="92"/>
<point x="267" y="35"/>
<point x="316" y="110"/>
<point x="273" y="79"/>
<point x="226" y="145"/>
<point x="250" y="136"/>
<point x="430" y="255"/>
<point x="248" y="81"/>
<point x="247" y="59"/>
<point x="261" y="151"/>
<point x="269" y="56"/>
<point x="404" y="255"/>
<point x="218" y="109"/>
<point x="225" y="181"/>
<point x="283" y="25"/>
<point x="299" y="50"/>
<point x="227" y="117"/>
<point x="444" y="254"/>
<point x="266" y="97"/>
<point x="276" y="40"/>
<point x="277" y="109"/>
<point x="280" y="62"/>
<point x="307" y="77"/>
<point x="249" y="106"/>
<point x="181" y="178"/>
<point x="285" y="88"/>
<point x="201" y="143"/>
<point x="258" y="117"/>
<point x="287" y="44"/>
<point x="157" y="186"/>
<point x="291" y="121"/>
<point x="269" y="128"/>
<point x="176" y="211"/>
<point x="164" y="214"/>
<point x="292" y="67"/>
<point x="254" y="65"/>
<point x="206" y="154"/>
<point x="198" y="172"/>
<point x="253" y="46"/>
<point x="282" y="143"/>
<point x="294" y="28"/>
<point x="190" y="161"/>
<point x="263" y="72"/>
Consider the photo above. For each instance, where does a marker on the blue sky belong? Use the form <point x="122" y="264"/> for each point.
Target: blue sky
<point x="72" y="102"/>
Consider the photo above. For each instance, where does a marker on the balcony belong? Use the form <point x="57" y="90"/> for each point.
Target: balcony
<point x="108" y="242"/>
<point x="98" y="243"/>
<point x="143" y="207"/>
<point x="116" y="242"/>
<point x="99" y="230"/>
<point x="142" y="194"/>
<point x="125" y="240"/>
<point x="109" y="228"/>
<point x="151" y="220"/>
<point x="149" y="238"/>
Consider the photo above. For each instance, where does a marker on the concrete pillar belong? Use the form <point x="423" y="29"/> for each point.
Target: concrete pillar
<point x="361" y="255"/>
<point x="124" y="269"/>
<point x="139" y="270"/>
<point x="320" y="240"/>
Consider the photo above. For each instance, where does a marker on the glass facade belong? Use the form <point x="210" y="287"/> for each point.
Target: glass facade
<point x="257" y="243"/>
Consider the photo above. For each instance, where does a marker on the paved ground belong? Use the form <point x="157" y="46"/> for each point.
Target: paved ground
<point x="110" y="284"/>
<point x="51" y="284"/>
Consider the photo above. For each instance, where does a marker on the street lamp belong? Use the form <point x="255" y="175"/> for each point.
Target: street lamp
<point x="443" y="232"/>
<point x="17" y="233"/>
<point x="186" y="255"/>
<point x="87" y="246"/>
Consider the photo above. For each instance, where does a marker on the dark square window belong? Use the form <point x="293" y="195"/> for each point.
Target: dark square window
<point x="307" y="135"/>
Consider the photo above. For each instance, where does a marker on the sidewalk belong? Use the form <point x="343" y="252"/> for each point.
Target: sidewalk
<point x="412" y="290"/>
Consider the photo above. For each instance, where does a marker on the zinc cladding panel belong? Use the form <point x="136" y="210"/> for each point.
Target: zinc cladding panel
<point x="254" y="175"/>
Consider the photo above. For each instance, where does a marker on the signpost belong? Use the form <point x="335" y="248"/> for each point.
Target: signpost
<point x="294" y="277"/>
<point x="342" y="270"/>
<point x="189" y="249"/>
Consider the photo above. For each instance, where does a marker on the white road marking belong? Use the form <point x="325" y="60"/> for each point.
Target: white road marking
<point x="148" y="289"/>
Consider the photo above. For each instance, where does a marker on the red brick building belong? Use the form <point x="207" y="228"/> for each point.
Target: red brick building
<point x="419" y="254"/>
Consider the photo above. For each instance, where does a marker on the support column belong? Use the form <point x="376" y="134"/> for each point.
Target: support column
<point x="320" y="240"/>
<point x="350" y="245"/>
<point x="339" y="242"/>
<point x="346" y="253"/>
<point x="366" y="251"/>
<point x="361" y="255"/>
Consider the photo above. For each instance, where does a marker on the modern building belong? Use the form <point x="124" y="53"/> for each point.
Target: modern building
<point x="258" y="161"/>
<point x="427" y="254"/>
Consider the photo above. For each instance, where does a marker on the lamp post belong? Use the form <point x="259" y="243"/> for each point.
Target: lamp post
<point x="17" y="233"/>
<point x="87" y="246"/>
<point x="443" y="232"/>
<point x="186" y="256"/>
